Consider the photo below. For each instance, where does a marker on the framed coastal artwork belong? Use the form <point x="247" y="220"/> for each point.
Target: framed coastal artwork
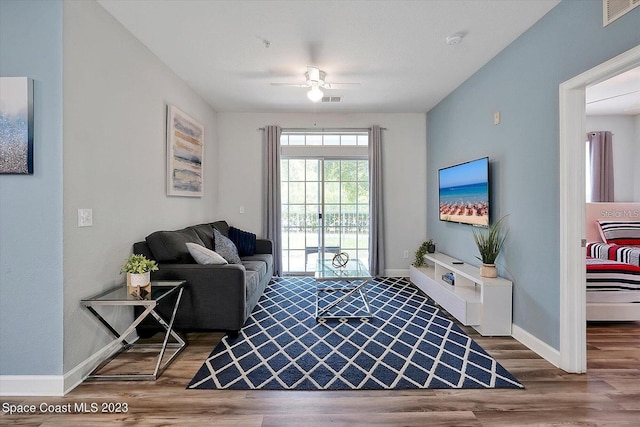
<point x="16" y="125"/>
<point x="185" y="144"/>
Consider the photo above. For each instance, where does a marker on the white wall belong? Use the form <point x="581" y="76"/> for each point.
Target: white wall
<point x="239" y="172"/>
<point x="115" y="97"/>
<point x="626" y="153"/>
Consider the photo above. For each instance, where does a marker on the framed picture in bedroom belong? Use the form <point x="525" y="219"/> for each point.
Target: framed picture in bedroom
<point x="185" y="148"/>
<point x="16" y="125"/>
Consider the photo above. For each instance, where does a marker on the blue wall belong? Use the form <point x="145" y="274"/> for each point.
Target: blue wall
<point x="31" y="277"/>
<point x="522" y="83"/>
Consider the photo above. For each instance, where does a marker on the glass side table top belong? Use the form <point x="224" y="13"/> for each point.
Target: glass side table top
<point x="354" y="269"/>
<point x="122" y="295"/>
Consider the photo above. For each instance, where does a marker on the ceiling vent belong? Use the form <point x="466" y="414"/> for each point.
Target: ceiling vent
<point x="331" y="99"/>
<point x="614" y="9"/>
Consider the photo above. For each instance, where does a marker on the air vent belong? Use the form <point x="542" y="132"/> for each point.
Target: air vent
<point x="331" y="99"/>
<point x="614" y="9"/>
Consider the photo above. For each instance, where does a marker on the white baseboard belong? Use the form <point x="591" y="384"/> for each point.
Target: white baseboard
<point x="31" y="385"/>
<point x="77" y="375"/>
<point x="396" y="273"/>
<point x="53" y="385"/>
<point x="541" y="348"/>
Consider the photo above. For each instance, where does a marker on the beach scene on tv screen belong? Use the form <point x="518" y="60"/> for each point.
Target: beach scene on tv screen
<point x="464" y="193"/>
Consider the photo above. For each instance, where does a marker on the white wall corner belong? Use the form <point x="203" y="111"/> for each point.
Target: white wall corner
<point x="31" y="385"/>
<point x="539" y="347"/>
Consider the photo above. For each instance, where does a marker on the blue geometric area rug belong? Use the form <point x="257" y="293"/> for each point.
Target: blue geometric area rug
<point x="409" y="344"/>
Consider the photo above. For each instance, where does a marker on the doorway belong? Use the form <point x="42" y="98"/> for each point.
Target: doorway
<point x="573" y="350"/>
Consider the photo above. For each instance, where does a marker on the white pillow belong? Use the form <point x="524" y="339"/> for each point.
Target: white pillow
<point x="203" y="255"/>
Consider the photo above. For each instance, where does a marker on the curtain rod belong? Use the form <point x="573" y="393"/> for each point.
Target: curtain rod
<point x="325" y="129"/>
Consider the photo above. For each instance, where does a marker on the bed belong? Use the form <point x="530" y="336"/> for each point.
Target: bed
<point x="613" y="290"/>
<point x="613" y="272"/>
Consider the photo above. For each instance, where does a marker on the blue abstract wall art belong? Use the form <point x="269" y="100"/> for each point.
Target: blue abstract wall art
<point x="16" y="125"/>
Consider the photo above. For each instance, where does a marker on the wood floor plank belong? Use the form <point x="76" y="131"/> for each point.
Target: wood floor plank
<point x="577" y="417"/>
<point x="413" y="419"/>
<point x="608" y="394"/>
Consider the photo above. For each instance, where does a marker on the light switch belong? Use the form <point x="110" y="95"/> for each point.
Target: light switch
<point x="241" y="209"/>
<point x="496" y="118"/>
<point x="85" y="217"/>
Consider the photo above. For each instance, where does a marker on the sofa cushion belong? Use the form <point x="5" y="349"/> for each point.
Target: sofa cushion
<point x="205" y="233"/>
<point x="204" y="255"/>
<point x="244" y="241"/>
<point x="265" y="258"/>
<point x="257" y="266"/>
<point x="221" y="226"/>
<point x="171" y="246"/>
<point x="251" y="282"/>
<point x="225" y="247"/>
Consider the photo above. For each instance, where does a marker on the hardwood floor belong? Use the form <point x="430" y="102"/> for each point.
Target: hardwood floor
<point x="609" y="394"/>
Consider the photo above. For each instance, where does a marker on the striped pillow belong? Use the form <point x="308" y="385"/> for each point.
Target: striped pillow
<point x="620" y="232"/>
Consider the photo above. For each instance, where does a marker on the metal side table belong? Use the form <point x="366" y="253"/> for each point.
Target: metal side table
<point x="124" y="296"/>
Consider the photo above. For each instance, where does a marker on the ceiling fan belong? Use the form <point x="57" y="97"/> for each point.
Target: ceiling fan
<point x="315" y="81"/>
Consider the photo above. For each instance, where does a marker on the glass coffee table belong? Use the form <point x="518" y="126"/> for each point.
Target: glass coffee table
<point x="124" y="296"/>
<point x="351" y="280"/>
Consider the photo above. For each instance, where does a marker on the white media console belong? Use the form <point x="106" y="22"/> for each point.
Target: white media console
<point x="474" y="300"/>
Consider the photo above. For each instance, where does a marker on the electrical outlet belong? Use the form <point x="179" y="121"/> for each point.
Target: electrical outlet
<point x="406" y="254"/>
<point x="496" y="118"/>
<point x="85" y="217"/>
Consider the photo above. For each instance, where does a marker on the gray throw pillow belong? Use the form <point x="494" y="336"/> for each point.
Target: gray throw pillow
<point x="225" y="247"/>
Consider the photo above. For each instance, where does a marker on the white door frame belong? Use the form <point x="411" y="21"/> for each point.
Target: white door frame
<point x="573" y="319"/>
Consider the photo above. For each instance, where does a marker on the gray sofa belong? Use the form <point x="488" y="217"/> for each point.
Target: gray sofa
<point x="217" y="297"/>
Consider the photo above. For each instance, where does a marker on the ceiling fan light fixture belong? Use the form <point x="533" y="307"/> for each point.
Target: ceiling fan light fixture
<point x="315" y="94"/>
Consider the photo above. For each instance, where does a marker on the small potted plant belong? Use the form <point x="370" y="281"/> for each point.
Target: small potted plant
<point x="138" y="269"/>
<point x="428" y="246"/>
<point x="490" y="243"/>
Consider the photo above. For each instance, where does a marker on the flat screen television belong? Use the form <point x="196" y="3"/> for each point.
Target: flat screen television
<point x="464" y="193"/>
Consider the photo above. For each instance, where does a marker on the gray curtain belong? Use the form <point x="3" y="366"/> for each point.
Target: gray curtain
<point x="272" y="220"/>
<point x="601" y="161"/>
<point x="376" y="211"/>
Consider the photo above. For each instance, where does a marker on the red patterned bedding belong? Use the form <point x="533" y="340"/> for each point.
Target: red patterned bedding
<point x="625" y="254"/>
<point x="612" y="281"/>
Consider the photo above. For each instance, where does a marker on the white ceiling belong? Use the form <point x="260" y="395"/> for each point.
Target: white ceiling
<point x="619" y="95"/>
<point x="395" y="49"/>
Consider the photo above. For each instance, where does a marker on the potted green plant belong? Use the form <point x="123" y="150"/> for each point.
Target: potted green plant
<point x="138" y="269"/>
<point x="490" y="243"/>
<point x="428" y="246"/>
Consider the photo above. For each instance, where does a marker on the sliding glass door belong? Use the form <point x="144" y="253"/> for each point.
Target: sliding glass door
<point x="325" y="209"/>
<point x="301" y="211"/>
<point x="346" y="208"/>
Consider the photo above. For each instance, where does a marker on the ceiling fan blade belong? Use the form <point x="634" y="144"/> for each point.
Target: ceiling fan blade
<point x="340" y="85"/>
<point x="289" y="84"/>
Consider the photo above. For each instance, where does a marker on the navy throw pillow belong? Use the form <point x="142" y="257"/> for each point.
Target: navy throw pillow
<point x="244" y="241"/>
